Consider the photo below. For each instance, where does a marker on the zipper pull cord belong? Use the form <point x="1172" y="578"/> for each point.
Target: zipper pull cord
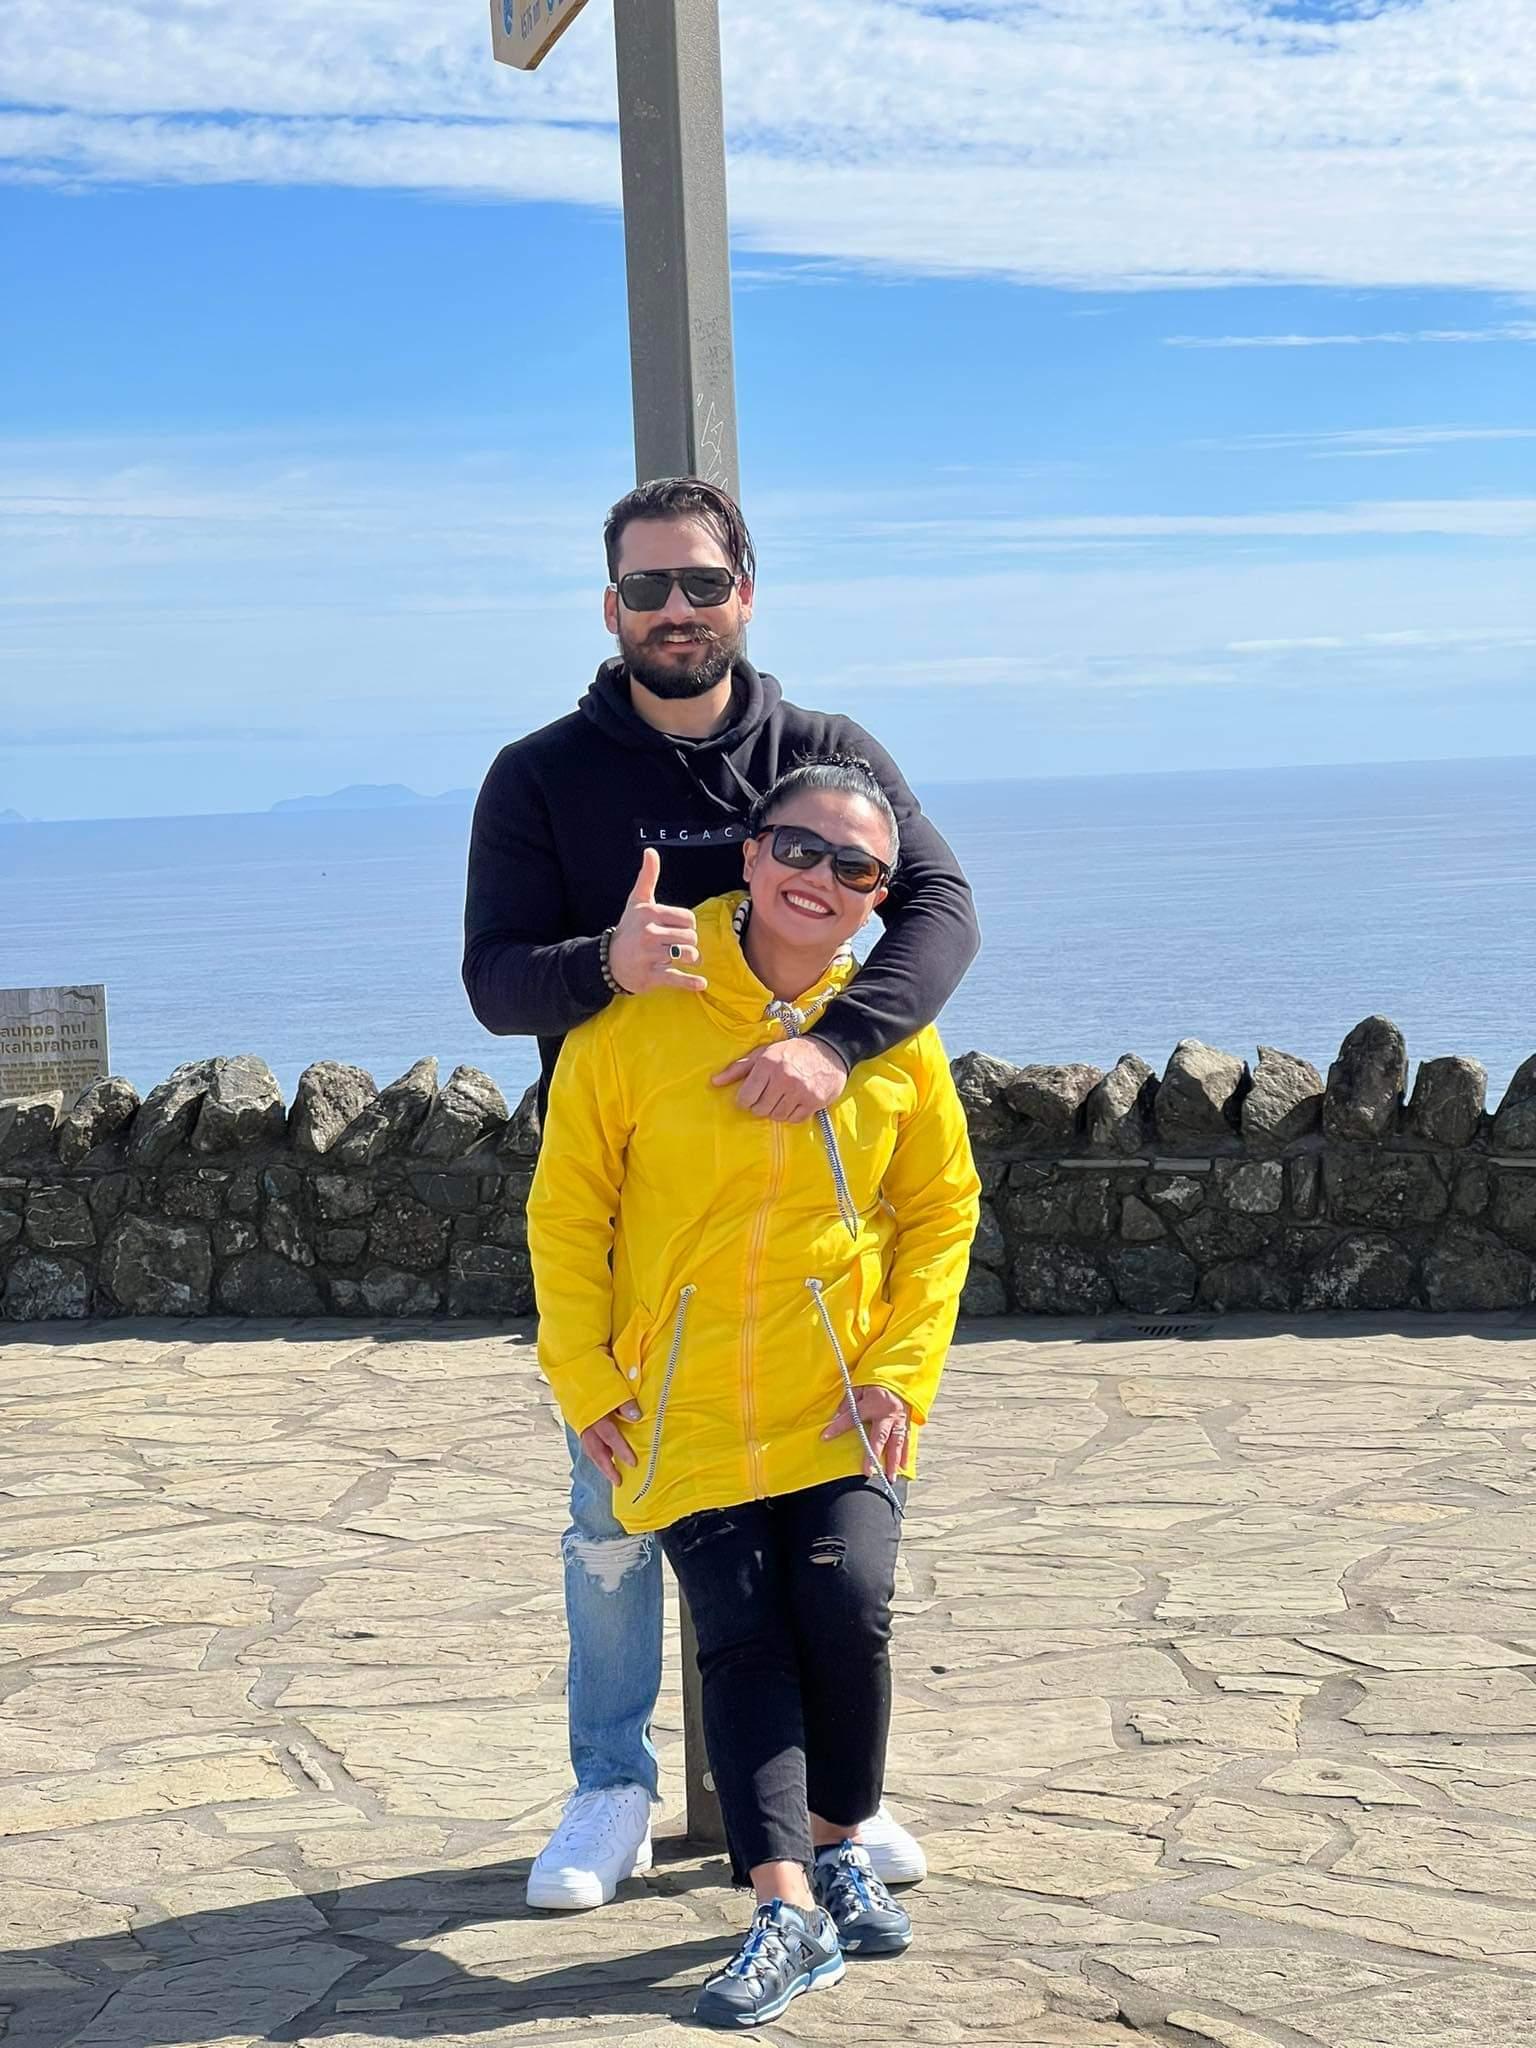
<point x="793" y="1021"/>
<point x="853" y="1401"/>
<point x="666" y="1388"/>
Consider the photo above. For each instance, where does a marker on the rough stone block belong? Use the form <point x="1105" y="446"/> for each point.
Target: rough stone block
<point x="388" y="1293"/>
<point x="406" y="1233"/>
<point x="1139" y="1224"/>
<point x="391" y="1120"/>
<point x="1200" y="1100"/>
<point x="232" y="1235"/>
<point x="284" y="1231"/>
<point x="244" y="1195"/>
<point x="1153" y="1278"/>
<point x="342" y="1246"/>
<point x="453" y="1193"/>
<point x="262" y="1284"/>
<point x="106" y="1108"/>
<point x="111" y="1193"/>
<point x="1366" y="1083"/>
<point x="489" y="1280"/>
<point x="469" y="1109"/>
<point x="59" y="1220"/>
<point x="27" y="1125"/>
<point x="168" y="1113"/>
<point x="989" y="1247"/>
<point x="1048" y="1101"/>
<point x="197" y="1196"/>
<point x="1514" y="1123"/>
<point x="1361" y="1272"/>
<point x="525" y="1129"/>
<point x="1248" y="1287"/>
<point x="1512" y="1206"/>
<point x="243" y="1106"/>
<point x="1448" y="1099"/>
<point x="150" y="1268"/>
<point x="1214" y="1234"/>
<point x="1256" y="1188"/>
<point x="1285" y="1102"/>
<point x="329" y="1097"/>
<point x="39" y="1289"/>
<point x="1058" y="1280"/>
<point x="1388" y="1189"/>
<point x="1177" y="1193"/>
<point x="1468" y="1268"/>
<point x="1119" y="1111"/>
<point x="1304" y="1179"/>
<point x="1473" y="1187"/>
<point x="343" y="1197"/>
<point x="984" y="1294"/>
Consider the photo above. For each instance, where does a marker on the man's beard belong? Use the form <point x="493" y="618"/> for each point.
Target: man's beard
<point x="713" y="657"/>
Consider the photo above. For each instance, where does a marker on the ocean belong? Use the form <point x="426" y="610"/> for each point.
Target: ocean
<point x="1120" y="914"/>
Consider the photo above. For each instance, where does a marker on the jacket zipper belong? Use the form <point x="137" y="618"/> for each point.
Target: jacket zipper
<point x="679" y="1324"/>
<point x="749" y="1316"/>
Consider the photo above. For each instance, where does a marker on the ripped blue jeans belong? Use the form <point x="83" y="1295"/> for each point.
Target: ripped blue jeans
<point x="613" y="1616"/>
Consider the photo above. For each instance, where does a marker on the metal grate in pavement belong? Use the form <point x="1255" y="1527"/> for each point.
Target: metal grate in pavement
<point x="1122" y="1333"/>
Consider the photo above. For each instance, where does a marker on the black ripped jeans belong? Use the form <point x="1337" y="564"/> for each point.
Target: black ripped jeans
<point x="791" y="1602"/>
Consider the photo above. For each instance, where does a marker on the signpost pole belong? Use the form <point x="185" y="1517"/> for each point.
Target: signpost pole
<point x="682" y="364"/>
<point x="676" y="239"/>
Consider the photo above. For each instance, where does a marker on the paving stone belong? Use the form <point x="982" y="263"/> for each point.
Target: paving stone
<point x="1251" y="1725"/>
<point x="1242" y="1833"/>
<point x="1323" y="1778"/>
<point x="1403" y="1652"/>
<point x="235" y="1999"/>
<point x="87" y="1797"/>
<point x="1262" y="1981"/>
<point x="1034" y="1854"/>
<point x="1429" y="1922"/>
<point x="1495" y="1702"/>
<point x="1467" y="2010"/>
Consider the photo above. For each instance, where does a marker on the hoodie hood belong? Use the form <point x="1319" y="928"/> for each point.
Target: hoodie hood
<point x="607" y="703"/>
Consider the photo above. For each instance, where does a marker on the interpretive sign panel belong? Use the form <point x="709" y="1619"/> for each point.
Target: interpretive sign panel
<point x="523" y="32"/>
<point x="52" y="1038"/>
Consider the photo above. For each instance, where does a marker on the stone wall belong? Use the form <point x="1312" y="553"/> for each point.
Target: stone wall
<point x="1213" y="1187"/>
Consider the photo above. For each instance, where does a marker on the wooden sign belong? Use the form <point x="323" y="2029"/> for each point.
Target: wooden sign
<point x="523" y="32"/>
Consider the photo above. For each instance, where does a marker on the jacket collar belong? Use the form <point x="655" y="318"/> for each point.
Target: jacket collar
<point x="734" y="990"/>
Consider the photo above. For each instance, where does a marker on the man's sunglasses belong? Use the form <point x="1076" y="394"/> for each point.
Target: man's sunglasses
<point x="647" y="590"/>
<point x="793" y="847"/>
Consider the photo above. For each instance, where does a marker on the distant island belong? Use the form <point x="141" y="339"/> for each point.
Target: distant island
<point x="12" y="818"/>
<point x="370" y="796"/>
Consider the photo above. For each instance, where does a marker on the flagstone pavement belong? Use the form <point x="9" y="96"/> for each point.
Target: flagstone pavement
<point x="1216" y="1672"/>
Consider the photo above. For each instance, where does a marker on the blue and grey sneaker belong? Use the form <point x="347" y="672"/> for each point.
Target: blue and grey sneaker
<point x="787" y="1952"/>
<point x="868" y="1920"/>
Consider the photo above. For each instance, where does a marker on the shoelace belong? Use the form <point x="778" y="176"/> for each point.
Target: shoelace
<point x="869" y="1894"/>
<point x="763" y="1951"/>
<point x="586" y="1821"/>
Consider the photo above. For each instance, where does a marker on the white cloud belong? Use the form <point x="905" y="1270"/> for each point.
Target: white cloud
<point x="1075" y="141"/>
<point x="1511" y="330"/>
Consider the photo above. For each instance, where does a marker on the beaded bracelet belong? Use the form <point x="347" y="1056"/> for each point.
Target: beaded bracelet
<point x="604" y="944"/>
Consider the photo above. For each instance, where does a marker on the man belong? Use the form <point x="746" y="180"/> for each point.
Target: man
<point x="593" y="841"/>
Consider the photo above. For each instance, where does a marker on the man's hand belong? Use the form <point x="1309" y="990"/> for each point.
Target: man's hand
<point x="652" y="940"/>
<point x="788" y="1081"/>
<point x="606" y="1444"/>
<point x="887" y="1421"/>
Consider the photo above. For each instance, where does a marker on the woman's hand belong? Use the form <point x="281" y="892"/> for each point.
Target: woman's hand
<point x="886" y="1419"/>
<point x="606" y="1444"/>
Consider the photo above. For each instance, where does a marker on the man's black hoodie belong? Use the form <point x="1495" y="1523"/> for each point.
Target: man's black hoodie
<point x="565" y="815"/>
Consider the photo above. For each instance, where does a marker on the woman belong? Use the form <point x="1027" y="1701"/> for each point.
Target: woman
<point x="745" y="1321"/>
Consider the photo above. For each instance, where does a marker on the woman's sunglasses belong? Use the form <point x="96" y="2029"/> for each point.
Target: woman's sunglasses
<point x="793" y="847"/>
<point x="647" y="590"/>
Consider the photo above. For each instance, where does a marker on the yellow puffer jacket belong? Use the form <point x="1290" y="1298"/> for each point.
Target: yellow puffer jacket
<point x="684" y="1250"/>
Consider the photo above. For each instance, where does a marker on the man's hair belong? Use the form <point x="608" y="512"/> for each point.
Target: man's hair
<point x="683" y="497"/>
<point x="841" y="774"/>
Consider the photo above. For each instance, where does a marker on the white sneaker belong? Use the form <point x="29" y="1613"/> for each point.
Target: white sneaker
<point x="894" y="1855"/>
<point x="603" y="1837"/>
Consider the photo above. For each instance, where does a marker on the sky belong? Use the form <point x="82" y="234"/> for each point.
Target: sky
<point x="1124" y="385"/>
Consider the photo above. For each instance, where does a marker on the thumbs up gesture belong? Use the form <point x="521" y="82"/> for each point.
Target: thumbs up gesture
<point x="653" y="943"/>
